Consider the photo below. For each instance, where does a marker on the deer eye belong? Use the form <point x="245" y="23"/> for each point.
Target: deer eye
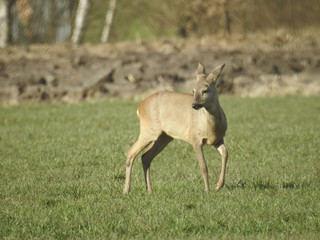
<point x="193" y="91"/>
<point x="205" y="91"/>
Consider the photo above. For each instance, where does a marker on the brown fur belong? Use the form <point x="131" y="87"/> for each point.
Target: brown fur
<point x="197" y="119"/>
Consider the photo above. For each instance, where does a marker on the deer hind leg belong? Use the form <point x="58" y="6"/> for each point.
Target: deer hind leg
<point x="155" y="148"/>
<point x="132" y="153"/>
<point x="224" y="154"/>
<point x="203" y="165"/>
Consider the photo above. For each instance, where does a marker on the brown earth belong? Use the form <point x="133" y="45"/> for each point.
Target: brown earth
<point x="276" y="65"/>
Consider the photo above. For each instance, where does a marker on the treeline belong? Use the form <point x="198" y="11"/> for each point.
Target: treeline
<point x="51" y="21"/>
<point x="186" y="18"/>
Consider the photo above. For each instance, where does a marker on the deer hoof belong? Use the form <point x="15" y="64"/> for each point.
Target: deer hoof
<point x="219" y="186"/>
<point x="125" y="192"/>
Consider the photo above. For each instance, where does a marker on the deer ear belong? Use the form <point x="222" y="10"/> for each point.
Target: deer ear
<point x="201" y="70"/>
<point x="215" y="74"/>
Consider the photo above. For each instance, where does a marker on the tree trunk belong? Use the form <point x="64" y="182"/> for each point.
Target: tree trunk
<point x="108" y="23"/>
<point x="4" y="31"/>
<point x="227" y="18"/>
<point x="80" y="21"/>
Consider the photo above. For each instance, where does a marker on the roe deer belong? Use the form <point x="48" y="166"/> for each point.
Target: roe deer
<point x="198" y="120"/>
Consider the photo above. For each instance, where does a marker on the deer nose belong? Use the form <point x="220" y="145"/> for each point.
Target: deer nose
<point x="196" y="106"/>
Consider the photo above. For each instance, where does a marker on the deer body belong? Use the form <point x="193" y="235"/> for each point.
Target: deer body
<point x="197" y="119"/>
<point x="200" y="126"/>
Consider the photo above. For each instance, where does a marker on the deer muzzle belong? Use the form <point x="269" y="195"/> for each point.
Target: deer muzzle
<point x="196" y="106"/>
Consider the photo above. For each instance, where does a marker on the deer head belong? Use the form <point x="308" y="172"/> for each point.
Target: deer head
<point x="205" y="91"/>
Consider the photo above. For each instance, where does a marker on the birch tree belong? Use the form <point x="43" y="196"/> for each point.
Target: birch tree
<point x="3" y="23"/>
<point x="108" y="22"/>
<point x="80" y="20"/>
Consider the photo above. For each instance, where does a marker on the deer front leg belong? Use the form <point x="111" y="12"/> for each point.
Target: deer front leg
<point x="202" y="163"/>
<point x="224" y="154"/>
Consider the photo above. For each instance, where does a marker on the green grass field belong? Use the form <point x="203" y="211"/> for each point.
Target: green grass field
<point x="62" y="173"/>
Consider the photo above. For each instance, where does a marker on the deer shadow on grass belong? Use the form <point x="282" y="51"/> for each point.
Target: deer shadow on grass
<point x="267" y="185"/>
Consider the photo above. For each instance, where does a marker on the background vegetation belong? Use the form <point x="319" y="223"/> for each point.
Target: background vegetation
<point x="185" y="18"/>
<point x="62" y="173"/>
<point x="53" y="21"/>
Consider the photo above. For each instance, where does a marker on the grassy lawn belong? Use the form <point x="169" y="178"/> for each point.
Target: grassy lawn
<point x="62" y="174"/>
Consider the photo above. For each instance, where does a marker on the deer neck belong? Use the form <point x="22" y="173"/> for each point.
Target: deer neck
<point x="215" y="124"/>
<point x="214" y="111"/>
